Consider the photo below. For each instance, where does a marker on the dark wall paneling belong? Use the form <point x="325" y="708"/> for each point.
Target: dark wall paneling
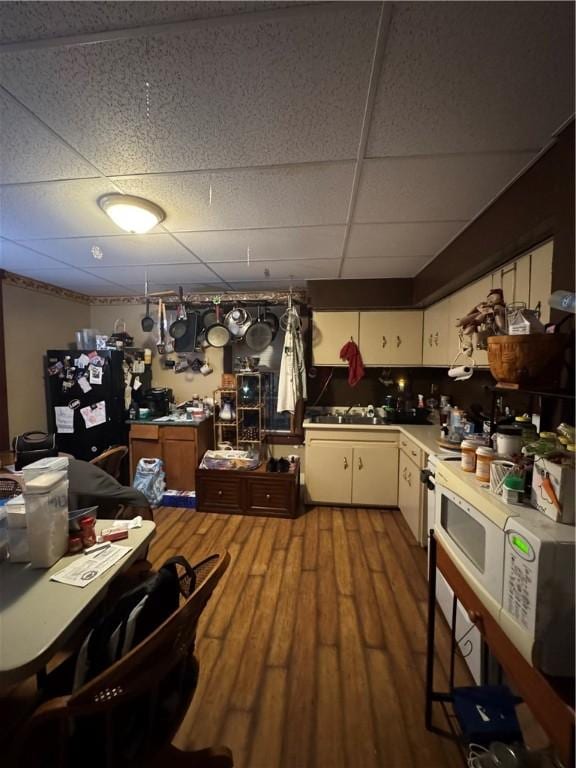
<point x="539" y="205"/>
<point x="360" y="294"/>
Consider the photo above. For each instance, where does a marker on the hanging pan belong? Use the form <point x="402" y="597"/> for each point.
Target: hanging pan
<point x="217" y="335"/>
<point x="179" y="327"/>
<point x="259" y="335"/>
<point x="187" y="343"/>
<point x="272" y="320"/>
<point x="238" y="320"/>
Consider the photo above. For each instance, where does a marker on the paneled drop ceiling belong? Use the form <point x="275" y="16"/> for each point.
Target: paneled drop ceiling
<point x="285" y="141"/>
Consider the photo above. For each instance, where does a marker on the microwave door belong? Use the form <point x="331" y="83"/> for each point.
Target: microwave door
<point x="473" y="541"/>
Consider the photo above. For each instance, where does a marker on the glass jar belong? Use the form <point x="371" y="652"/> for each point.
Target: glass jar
<point x="484" y="459"/>
<point x="468" y="455"/>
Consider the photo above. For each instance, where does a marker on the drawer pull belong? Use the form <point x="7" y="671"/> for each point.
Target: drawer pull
<point x="268" y="497"/>
<point x="220" y="492"/>
<point x="413" y="453"/>
<point x="384" y="341"/>
<point x="398" y="341"/>
<point x="345" y="463"/>
<point x="360" y="465"/>
<point x="436" y="338"/>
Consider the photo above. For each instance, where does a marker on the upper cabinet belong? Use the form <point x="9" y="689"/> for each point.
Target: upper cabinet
<point x="330" y="331"/>
<point x="384" y="338"/>
<point x="541" y="279"/>
<point x="436" y="334"/>
<point x="391" y="338"/>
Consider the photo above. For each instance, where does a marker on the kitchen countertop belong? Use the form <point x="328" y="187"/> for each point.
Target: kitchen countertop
<point x="424" y="435"/>
<point x="163" y="422"/>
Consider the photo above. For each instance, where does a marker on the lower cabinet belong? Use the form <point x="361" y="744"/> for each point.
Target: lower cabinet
<point x="410" y="496"/>
<point x="351" y="468"/>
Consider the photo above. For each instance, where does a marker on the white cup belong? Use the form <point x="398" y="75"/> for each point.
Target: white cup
<point x="205" y="369"/>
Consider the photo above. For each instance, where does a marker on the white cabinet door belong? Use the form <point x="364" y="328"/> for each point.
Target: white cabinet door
<point x="391" y="338"/>
<point x="541" y="279"/>
<point x="410" y="497"/>
<point x="435" y="337"/>
<point x="375" y="475"/>
<point x="329" y="472"/>
<point x="330" y="331"/>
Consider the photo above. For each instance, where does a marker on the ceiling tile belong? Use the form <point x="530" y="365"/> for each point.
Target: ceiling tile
<point x="407" y="267"/>
<point x="263" y="197"/>
<point x="55" y="209"/>
<point x="279" y="270"/>
<point x="269" y="285"/>
<point x="266" y="244"/>
<point x="173" y="274"/>
<point x="400" y="240"/>
<point x="267" y="92"/>
<point x="29" y="152"/>
<point x="462" y="77"/>
<point x="15" y="258"/>
<point x="435" y="188"/>
<point x="120" y="251"/>
<point x="20" y="21"/>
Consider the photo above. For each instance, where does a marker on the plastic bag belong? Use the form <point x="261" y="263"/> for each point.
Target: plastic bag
<point x="149" y="479"/>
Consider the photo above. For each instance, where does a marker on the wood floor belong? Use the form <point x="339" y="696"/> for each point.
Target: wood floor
<point x="312" y="649"/>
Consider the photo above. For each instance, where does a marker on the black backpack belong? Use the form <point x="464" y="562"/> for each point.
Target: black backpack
<point x="32" y="446"/>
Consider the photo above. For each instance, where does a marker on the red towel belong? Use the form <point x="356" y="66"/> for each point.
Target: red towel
<point x="351" y="354"/>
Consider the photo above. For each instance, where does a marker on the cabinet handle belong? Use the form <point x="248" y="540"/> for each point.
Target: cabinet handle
<point x="220" y="493"/>
<point x="398" y="341"/>
<point x="360" y="465"/>
<point x="345" y="463"/>
<point x="384" y="341"/>
<point x="413" y="453"/>
<point x="404" y="473"/>
<point x="436" y="338"/>
<point x="409" y="479"/>
<point x="268" y="497"/>
<point x="430" y="340"/>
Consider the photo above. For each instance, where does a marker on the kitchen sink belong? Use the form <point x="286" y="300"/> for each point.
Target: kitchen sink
<point x="349" y="419"/>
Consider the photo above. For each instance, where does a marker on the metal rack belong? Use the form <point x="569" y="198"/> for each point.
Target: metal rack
<point x="251" y="393"/>
<point x="225" y="431"/>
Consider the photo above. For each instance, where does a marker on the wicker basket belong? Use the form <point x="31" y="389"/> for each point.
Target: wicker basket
<point x="536" y="358"/>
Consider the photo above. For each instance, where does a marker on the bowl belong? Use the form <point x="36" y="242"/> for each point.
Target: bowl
<point x="530" y="359"/>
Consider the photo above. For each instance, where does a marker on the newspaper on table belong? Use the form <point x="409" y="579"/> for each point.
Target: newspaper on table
<point x="85" y="569"/>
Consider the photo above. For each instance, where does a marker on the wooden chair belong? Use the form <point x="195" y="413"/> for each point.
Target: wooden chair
<point x="128" y="715"/>
<point x="111" y="460"/>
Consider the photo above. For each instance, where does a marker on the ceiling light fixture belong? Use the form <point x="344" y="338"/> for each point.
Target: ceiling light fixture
<point x="132" y="214"/>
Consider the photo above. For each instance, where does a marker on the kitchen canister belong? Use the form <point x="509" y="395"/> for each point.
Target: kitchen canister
<point x="484" y="459"/>
<point x="468" y="455"/>
<point x="508" y="440"/>
<point x="46" y="499"/>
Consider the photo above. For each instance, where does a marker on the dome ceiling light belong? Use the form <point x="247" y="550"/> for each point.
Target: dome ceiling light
<point x="132" y="214"/>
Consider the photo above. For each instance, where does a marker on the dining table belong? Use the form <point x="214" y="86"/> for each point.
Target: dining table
<point x="38" y="615"/>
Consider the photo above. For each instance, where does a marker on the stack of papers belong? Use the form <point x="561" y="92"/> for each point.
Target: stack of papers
<point x="88" y="567"/>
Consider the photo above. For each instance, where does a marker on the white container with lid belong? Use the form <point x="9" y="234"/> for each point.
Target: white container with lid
<point x="47" y="518"/>
<point x="16" y="512"/>
<point x="49" y="464"/>
<point x="18" y="547"/>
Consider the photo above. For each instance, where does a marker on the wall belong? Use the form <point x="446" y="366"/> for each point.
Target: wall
<point x="33" y="323"/>
<point x="184" y="385"/>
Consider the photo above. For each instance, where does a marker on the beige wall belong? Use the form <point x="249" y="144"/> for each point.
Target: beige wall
<point x="184" y="384"/>
<point x="33" y="323"/>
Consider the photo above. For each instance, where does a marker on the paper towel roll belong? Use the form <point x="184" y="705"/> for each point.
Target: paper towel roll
<point x="460" y="371"/>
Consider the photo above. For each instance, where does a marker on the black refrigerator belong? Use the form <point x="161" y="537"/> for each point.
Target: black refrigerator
<point x="85" y="397"/>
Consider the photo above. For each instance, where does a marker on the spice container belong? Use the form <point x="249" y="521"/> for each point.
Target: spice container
<point x="484" y="458"/>
<point x="47" y="518"/>
<point x="468" y="456"/>
<point x="88" y="531"/>
<point x="508" y="440"/>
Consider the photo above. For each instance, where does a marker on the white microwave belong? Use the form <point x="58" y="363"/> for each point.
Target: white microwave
<point x="521" y="565"/>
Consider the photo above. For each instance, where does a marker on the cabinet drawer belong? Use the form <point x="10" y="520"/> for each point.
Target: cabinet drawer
<point x="144" y="431"/>
<point x="179" y="433"/>
<point x="219" y="494"/>
<point x="412" y="450"/>
<point x="267" y="495"/>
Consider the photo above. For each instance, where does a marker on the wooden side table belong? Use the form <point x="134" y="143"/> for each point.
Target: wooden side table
<point x="251" y="492"/>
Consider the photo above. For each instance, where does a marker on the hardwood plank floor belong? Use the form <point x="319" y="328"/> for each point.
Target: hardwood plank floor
<point x="311" y="648"/>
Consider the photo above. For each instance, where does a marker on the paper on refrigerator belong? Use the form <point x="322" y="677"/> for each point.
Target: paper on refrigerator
<point x="94" y="415"/>
<point x="87" y="568"/>
<point x="64" y="419"/>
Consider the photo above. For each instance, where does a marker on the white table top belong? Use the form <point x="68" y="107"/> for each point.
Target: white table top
<point x="37" y="616"/>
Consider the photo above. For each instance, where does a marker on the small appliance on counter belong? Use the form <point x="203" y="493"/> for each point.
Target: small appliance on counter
<point x="158" y="400"/>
